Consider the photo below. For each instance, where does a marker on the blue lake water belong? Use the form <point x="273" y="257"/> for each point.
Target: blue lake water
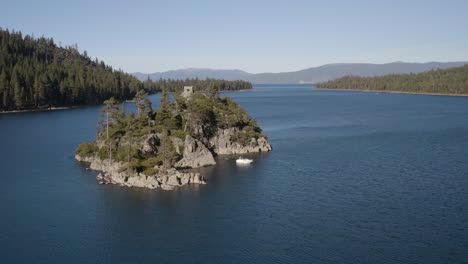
<point x="353" y="178"/>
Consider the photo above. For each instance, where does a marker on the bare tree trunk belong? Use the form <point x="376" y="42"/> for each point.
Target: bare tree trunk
<point x="107" y="132"/>
<point x="107" y="124"/>
<point x="110" y="152"/>
<point x="164" y="148"/>
<point x="164" y="154"/>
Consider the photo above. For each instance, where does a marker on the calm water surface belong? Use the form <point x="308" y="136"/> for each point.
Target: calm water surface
<point x="353" y="178"/>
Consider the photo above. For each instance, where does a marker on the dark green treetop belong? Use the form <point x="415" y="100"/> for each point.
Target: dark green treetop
<point x="142" y="102"/>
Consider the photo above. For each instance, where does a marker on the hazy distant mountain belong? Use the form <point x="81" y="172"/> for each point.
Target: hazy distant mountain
<point x="334" y="71"/>
<point x="191" y="73"/>
<point x="310" y="75"/>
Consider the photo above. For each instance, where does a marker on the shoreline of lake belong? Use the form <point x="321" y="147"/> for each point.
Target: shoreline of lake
<point x="395" y="92"/>
<point x="70" y="107"/>
<point x="36" y="110"/>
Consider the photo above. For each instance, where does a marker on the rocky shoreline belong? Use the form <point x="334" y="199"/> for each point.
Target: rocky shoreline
<point x="110" y="174"/>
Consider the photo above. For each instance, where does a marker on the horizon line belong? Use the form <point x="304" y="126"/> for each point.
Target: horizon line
<point x="327" y="64"/>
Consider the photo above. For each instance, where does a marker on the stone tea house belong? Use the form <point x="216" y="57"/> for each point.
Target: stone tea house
<point x="188" y="91"/>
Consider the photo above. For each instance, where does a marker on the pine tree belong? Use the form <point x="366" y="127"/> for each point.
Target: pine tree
<point x="112" y="113"/>
<point x="4" y="85"/>
<point x="164" y="100"/>
<point x="18" y="90"/>
<point x="142" y="103"/>
<point x="166" y="149"/>
<point x="213" y="90"/>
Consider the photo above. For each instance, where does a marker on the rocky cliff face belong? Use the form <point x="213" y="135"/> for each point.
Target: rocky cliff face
<point x="195" y="155"/>
<point x="222" y="143"/>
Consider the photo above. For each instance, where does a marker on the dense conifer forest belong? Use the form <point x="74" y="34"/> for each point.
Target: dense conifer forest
<point x="448" y="81"/>
<point x="35" y="73"/>
<point x="199" y="85"/>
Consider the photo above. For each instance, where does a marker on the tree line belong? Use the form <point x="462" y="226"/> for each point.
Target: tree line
<point x="173" y="85"/>
<point x="440" y="81"/>
<point x="36" y="73"/>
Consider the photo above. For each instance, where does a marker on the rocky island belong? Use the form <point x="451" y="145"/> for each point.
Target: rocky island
<point x="154" y="148"/>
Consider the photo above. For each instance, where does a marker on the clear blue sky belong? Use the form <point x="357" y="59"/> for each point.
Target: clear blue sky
<point x="256" y="36"/>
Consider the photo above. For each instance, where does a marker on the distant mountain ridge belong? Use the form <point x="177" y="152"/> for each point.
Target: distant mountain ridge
<point x="311" y="75"/>
<point x="191" y="73"/>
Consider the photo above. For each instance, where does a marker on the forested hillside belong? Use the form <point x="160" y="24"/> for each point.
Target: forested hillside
<point x="36" y="73"/>
<point x="447" y="81"/>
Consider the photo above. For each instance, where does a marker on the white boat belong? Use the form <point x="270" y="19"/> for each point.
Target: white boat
<point x="243" y="161"/>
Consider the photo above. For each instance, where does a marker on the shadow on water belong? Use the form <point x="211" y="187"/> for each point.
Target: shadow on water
<point x="226" y="165"/>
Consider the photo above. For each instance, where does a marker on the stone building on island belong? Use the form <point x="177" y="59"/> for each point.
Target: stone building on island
<point x="188" y="91"/>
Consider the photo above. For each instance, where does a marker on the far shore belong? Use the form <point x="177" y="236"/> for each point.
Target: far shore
<point x="69" y="107"/>
<point x="36" y="110"/>
<point x="242" y="90"/>
<point x="397" y="92"/>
